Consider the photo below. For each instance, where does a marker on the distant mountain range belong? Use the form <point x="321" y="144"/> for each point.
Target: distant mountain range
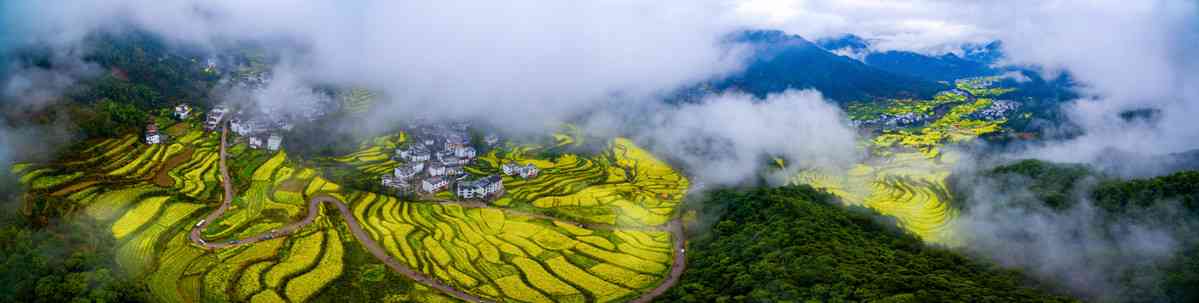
<point x="782" y="62"/>
<point x="847" y="69"/>
<point x="975" y="59"/>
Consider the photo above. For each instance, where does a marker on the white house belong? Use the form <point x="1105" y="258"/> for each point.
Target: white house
<point x="418" y="166"/>
<point x="465" y="152"/>
<point x="528" y="171"/>
<point x="454" y="170"/>
<point x="482" y="188"/>
<point x="152" y="136"/>
<point x="436" y="170"/>
<point x="256" y="142"/>
<point x="414" y="153"/>
<point x="246" y="127"/>
<point x="214" y="117"/>
<point x="455" y="141"/>
<point x="238" y="127"/>
<point x="435" y="184"/>
<point x="524" y="171"/>
<point x="450" y="161"/>
<point x="274" y="142"/>
<point x="408" y="171"/>
<point x="182" y="111"/>
<point x="443" y="154"/>
<point x="491" y="139"/>
<point x="396" y="183"/>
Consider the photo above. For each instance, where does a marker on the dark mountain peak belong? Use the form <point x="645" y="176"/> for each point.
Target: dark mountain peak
<point x="782" y="61"/>
<point x="850" y="41"/>
<point x="985" y="53"/>
<point x="945" y="67"/>
<point x="772" y="38"/>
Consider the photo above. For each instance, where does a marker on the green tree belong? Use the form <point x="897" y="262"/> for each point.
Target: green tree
<point x="796" y="244"/>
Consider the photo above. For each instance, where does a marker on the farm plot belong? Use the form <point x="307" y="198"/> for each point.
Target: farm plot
<point x="626" y="185"/>
<point x="248" y="214"/>
<point x="375" y="156"/>
<point x="504" y="256"/>
<point x="486" y="252"/>
<point x="906" y="177"/>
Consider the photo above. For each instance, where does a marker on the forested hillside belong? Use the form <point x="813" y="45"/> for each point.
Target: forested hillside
<point x="1169" y="203"/>
<point x="795" y="244"/>
<point x="782" y="62"/>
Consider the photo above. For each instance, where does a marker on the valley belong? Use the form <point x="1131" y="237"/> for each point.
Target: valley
<point x="910" y="152"/>
<point x="235" y="223"/>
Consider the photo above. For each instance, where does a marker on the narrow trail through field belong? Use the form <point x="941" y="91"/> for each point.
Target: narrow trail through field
<point x="675" y="227"/>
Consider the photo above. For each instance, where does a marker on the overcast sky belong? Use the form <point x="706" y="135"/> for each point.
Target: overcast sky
<point x="530" y="63"/>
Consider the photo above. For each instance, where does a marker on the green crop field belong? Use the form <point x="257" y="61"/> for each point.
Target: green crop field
<point x="527" y="250"/>
<point x="905" y="177"/>
<point x="627" y="186"/>
<point x="509" y="254"/>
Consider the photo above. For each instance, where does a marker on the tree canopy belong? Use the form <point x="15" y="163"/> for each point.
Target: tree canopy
<point x="795" y="244"/>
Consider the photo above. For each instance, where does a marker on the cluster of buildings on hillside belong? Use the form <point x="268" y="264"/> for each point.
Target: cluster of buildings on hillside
<point x="435" y="158"/>
<point x="259" y="132"/>
<point x="890" y="120"/>
<point x="999" y="109"/>
<point x="152" y="134"/>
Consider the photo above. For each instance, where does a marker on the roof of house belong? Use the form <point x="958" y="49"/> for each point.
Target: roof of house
<point x="483" y="182"/>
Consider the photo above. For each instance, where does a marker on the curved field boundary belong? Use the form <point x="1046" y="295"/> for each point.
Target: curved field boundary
<point x="675" y="227"/>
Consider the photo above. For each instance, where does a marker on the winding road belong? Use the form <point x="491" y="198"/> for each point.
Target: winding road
<point x="675" y="227"/>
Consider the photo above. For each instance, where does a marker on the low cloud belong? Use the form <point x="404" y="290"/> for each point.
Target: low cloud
<point x="516" y="63"/>
<point x="1096" y="256"/>
<point x="725" y="139"/>
<point x="37" y="86"/>
<point x="1126" y="56"/>
<point x="27" y="88"/>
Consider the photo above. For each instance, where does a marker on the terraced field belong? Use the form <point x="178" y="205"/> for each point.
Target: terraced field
<point x="374" y="157"/>
<point x="905" y="177"/>
<point x="110" y="181"/>
<point x="912" y="191"/>
<point x="507" y="256"/>
<point x="624" y="186"/>
<point x="494" y="253"/>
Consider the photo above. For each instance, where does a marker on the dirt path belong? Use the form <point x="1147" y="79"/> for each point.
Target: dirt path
<point x="74" y="188"/>
<point x="676" y="268"/>
<point x="675" y="227"/>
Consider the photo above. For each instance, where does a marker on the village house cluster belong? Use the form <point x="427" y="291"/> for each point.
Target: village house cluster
<point x="152" y="134"/>
<point x="890" y="121"/>
<point x="435" y="158"/>
<point x="999" y="109"/>
<point x="260" y="130"/>
<point x="526" y="171"/>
